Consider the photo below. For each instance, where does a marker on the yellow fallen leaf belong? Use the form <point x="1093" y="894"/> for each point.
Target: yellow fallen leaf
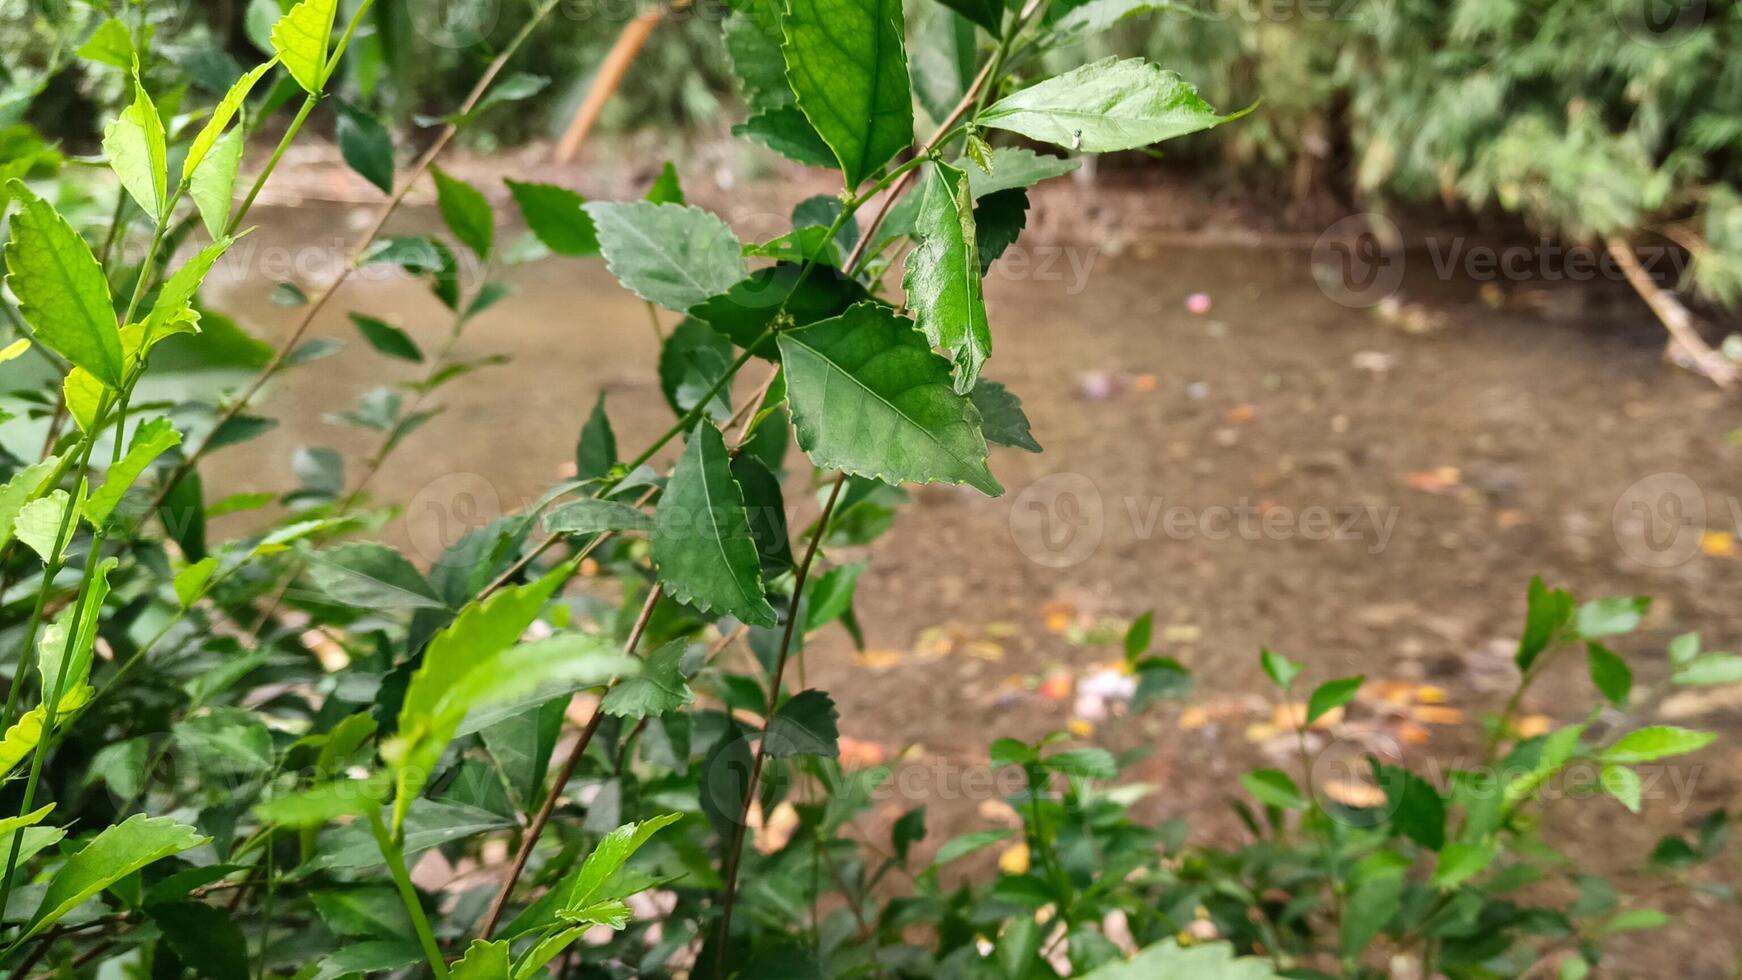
<point x="1014" y="860"/>
<point x="1353" y="793"/>
<point x="1530" y="726"/>
<point x="1080" y="727"/>
<point x="1718" y="544"/>
<point x="984" y="650"/>
<point x="1261" y="732"/>
<point x="1429" y="694"/>
<point x="1002" y="630"/>
<point x="1182" y="633"/>
<point x="1059" y="616"/>
<point x="1193" y="718"/>
<point x="860" y="754"/>
<point x="880" y="659"/>
<point x="1144" y="382"/>
<point x="1429" y="714"/>
<point x="1409" y="733"/>
<point x="1057" y="685"/>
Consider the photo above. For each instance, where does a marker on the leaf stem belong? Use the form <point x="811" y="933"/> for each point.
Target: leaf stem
<point x="734" y="856"/>
<point x="393" y="852"/>
<point x="308" y="106"/>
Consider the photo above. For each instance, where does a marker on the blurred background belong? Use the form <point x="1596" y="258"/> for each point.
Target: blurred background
<point x="1451" y="307"/>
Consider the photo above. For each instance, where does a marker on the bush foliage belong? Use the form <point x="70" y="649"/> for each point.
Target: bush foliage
<point x="226" y="758"/>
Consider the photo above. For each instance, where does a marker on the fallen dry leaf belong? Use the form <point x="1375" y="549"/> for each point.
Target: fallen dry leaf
<point x="1431" y="714"/>
<point x="1409" y="733"/>
<point x="1353" y="793"/>
<point x="1080" y="727"/>
<point x="1718" y="544"/>
<point x="984" y="650"/>
<point x="1144" y="383"/>
<point x="1059" y="615"/>
<point x="776" y="832"/>
<point x="1181" y="633"/>
<point x="879" y="659"/>
<point x="1439" y="480"/>
<point x="860" y="754"/>
<point x="1057" y="685"/>
<point x="1530" y="726"/>
<point x="1014" y="860"/>
<point x="1241" y="414"/>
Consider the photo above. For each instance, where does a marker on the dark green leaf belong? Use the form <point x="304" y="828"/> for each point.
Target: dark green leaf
<point x="1548" y="611"/>
<point x="205" y="938"/>
<point x="701" y="535"/>
<point x="1001" y="417"/>
<point x="804" y="725"/>
<point x="786" y="131"/>
<point x="986" y="13"/>
<point x="693" y="363"/>
<point x="466" y="213"/>
<point x="660" y="688"/>
<point x="556" y="216"/>
<point x="943" y="275"/>
<point x="766" y="507"/>
<point x="1610" y="673"/>
<point x="1332" y="695"/>
<point x="366" y="146"/>
<point x="592" y="516"/>
<point x="870" y="398"/>
<point x="115" y="853"/>
<point x="747" y="311"/>
<point x="666" y="189"/>
<point x="1417" y="810"/>
<point x="847" y="66"/>
<point x="999" y="219"/>
<point x="596" y="450"/>
<point x="387" y="338"/>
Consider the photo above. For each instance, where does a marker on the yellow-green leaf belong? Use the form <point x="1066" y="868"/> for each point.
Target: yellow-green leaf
<point x="112" y="855"/>
<point x="150" y="441"/>
<point x="301" y="39"/>
<point x="61" y="289"/>
<point x="138" y="152"/>
<point x="222" y="114"/>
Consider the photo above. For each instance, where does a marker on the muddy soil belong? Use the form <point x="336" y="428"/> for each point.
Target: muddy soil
<point x="1366" y="491"/>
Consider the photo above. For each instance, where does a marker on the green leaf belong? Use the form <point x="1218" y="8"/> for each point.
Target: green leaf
<point x="556" y="216"/>
<point x="137" y="151"/>
<point x="387" y="338"/>
<point x="666" y="189"/>
<point x="766" y="507"/>
<point x="26" y="485"/>
<point x="213" y="185"/>
<point x="1372" y="903"/>
<point x="753" y="39"/>
<point x="1331" y="695"/>
<point x="38" y="522"/>
<point x="372" y="576"/>
<point x="61" y="289"/>
<point x="986" y="13"/>
<point x="1105" y="106"/>
<point x="673" y="255"/>
<point x="149" y="441"/>
<point x="190" y="582"/>
<point x="1273" y="787"/>
<point x="484" y="960"/>
<point x="219" y="121"/>
<point x="660" y="688"/>
<point x="110" y="44"/>
<point x="943" y="275"/>
<point x="1709" y="668"/>
<point x="1168" y="960"/>
<point x="608" y="857"/>
<point x="1417" y="809"/>
<point x="67" y="646"/>
<point x="1656" y="742"/>
<point x="204" y="937"/>
<point x="1001" y="417"/>
<point x="847" y="65"/>
<point x="692" y="363"/>
<point x="1610" y="673"/>
<point x="725" y="780"/>
<point x="593" y="516"/>
<point x="1612" y="616"/>
<point x="466" y="213"/>
<point x="701" y="541"/>
<point x="1281" y="670"/>
<point x="113" y="854"/>
<point x="174" y="300"/>
<point x="1139" y="636"/>
<point x="804" y="725"/>
<point x="1633" y="920"/>
<point x="367" y="146"/>
<point x="1623" y="784"/>
<point x="746" y="312"/>
<point x="960" y="847"/>
<point x="786" y="131"/>
<point x="1090" y="763"/>
<point x="456" y="673"/>
<point x="999" y="220"/>
<point x="596" y="450"/>
<point x="1547" y="612"/>
<point x="325" y="803"/>
<point x="831" y="595"/>
<point x="1459" y="863"/>
<point x="301" y="38"/>
<point x="1684" y="649"/>
<point x="870" y="398"/>
<point x="1016" y="168"/>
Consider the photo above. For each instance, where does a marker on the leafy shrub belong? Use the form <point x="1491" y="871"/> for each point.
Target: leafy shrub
<point x="227" y="757"/>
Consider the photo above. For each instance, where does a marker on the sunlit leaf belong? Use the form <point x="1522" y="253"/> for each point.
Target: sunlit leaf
<point x="847" y="64"/>
<point x="61" y="289"/>
<point x="670" y="254"/>
<point x="1105" y="106"/>
<point x="113" y="854"/>
<point x="301" y="39"/>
